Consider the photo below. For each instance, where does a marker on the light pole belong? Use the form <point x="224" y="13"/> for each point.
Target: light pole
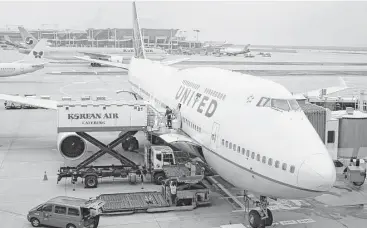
<point x="197" y="34"/>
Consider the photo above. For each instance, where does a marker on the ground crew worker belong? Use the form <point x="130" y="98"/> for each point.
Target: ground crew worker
<point x="173" y="188"/>
<point x="169" y="117"/>
<point x="193" y="169"/>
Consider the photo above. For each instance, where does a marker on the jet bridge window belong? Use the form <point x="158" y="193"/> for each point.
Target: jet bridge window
<point x="280" y="104"/>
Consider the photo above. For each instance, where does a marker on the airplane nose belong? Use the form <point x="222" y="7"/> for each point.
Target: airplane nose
<point x="317" y="173"/>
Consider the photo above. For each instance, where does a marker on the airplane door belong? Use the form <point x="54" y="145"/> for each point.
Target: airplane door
<point x="214" y="137"/>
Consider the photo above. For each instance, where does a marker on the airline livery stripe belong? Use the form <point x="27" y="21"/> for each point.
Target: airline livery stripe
<point x="253" y="172"/>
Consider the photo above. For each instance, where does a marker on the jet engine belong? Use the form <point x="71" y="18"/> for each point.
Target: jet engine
<point x="71" y="145"/>
<point x="117" y="59"/>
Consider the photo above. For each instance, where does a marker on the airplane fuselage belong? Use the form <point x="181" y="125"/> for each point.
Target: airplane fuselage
<point x="266" y="150"/>
<point x="13" y="69"/>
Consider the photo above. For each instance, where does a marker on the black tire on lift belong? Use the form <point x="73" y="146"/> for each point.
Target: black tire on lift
<point x="91" y="181"/>
<point x="158" y="178"/>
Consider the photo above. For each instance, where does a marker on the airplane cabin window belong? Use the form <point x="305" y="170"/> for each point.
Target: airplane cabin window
<point x="239" y="149"/>
<point x="294" y="105"/>
<point x="292" y="169"/>
<point x="243" y="151"/>
<point x="223" y="142"/>
<point x="253" y="155"/>
<point x="270" y="161"/>
<point x="264" y="159"/>
<point x="248" y="153"/>
<point x="280" y="104"/>
<point x="277" y="163"/>
<point x="258" y="157"/>
<point x="234" y="147"/>
<point x="226" y="143"/>
<point x="284" y="166"/>
<point x="230" y="145"/>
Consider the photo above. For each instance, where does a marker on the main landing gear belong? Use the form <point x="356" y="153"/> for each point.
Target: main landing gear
<point x="95" y="64"/>
<point x="260" y="217"/>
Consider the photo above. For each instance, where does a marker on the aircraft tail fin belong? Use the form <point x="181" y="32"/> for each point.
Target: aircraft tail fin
<point x="37" y="53"/>
<point x="28" y="38"/>
<point x="137" y="37"/>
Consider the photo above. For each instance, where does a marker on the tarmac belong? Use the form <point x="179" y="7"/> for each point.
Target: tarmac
<point x="28" y="150"/>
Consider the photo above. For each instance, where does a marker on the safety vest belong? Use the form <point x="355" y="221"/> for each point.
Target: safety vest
<point x="173" y="189"/>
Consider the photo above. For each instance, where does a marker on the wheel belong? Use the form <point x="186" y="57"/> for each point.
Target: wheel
<point x="269" y="220"/>
<point x="255" y="220"/>
<point x="35" y="222"/>
<point x="91" y="181"/>
<point x="70" y="226"/>
<point x="158" y="178"/>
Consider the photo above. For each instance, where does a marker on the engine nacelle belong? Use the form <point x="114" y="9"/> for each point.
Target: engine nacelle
<point x="117" y="59"/>
<point x="71" y="146"/>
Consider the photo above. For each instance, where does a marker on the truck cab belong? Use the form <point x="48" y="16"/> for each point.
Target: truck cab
<point x="69" y="212"/>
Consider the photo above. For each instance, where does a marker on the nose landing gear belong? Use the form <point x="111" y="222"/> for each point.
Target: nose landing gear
<point x="260" y="217"/>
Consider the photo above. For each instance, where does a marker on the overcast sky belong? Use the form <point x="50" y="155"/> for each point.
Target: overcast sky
<point x="277" y="23"/>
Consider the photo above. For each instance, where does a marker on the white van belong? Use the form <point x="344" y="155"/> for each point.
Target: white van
<point x="67" y="212"/>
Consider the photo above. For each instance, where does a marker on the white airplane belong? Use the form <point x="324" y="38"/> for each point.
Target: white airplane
<point x="32" y="62"/>
<point x="251" y="130"/>
<point x="234" y="50"/>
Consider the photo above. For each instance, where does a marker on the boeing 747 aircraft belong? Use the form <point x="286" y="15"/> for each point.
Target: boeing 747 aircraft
<point x="32" y="62"/>
<point x="233" y="50"/>
<point x="251" y="130"/>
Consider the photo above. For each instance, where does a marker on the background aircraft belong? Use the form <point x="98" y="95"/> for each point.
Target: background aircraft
<point x="234" y="50"/>
<point x="32" y="62"/>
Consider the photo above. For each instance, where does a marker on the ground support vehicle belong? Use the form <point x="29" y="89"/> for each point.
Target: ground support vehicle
<point x="14" y="105"/>
<point x="190" y="194"/>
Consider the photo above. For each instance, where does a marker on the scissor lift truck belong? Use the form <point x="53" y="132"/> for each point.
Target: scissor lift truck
<point x="99" y="115"/>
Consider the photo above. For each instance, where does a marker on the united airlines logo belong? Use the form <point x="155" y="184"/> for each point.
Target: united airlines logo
<point x="38" y="54"/>
<point x="29" y="40"/>
<point x="204" y="104"/>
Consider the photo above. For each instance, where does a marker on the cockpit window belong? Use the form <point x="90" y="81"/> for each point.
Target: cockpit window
<point x="294" y="105"/>
<point x="280" y="104"/>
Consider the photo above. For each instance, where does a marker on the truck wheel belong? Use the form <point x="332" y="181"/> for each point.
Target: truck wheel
<point x="158" y="178"/>
<point x="35" y="222"/>
<point x="70" y="226"/>
<point x="91" y="181"/>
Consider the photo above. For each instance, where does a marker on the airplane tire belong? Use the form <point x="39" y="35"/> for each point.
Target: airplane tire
<point x="269" y="220"/>
<point x="255" y="220"/>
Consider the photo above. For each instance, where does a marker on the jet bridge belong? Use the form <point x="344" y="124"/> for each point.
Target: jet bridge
<point x="75" y="118"/>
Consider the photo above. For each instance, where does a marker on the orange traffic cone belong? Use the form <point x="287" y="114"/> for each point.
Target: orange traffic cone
<point x="45" y="177"/>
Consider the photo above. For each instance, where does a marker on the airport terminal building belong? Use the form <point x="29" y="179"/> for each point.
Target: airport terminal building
<point x="115" y="37"/>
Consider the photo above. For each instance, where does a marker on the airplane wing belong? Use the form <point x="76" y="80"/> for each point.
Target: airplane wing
<point x="49" y="104"/>
<point x="95" y="55"/>
<point x="108" y="63"/>
<point x="170" y="62"/>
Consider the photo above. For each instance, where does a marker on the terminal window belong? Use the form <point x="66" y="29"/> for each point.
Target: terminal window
<point x="330" y="136"/>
